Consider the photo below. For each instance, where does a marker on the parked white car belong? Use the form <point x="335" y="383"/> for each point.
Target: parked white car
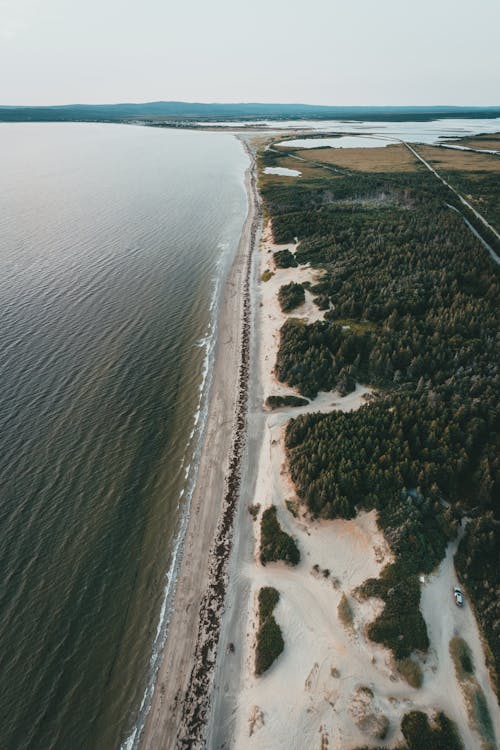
<point x="459" y="597"/>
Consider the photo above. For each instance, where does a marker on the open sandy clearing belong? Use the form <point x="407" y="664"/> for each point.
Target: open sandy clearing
<point x="272" y="317"/>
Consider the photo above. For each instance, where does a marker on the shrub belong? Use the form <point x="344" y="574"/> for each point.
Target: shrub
<point x="462" y="657"/>
<point x="420" y="735"/>
<point x="411" y="671"/>
<point x="276" y="402"/>
<point x="285" y="259"/>
<point x="254" y="510"/>
<point x="276" y="544"/>
<point x="345" y="612"/>
<point x="268" y="599"/>
<point x="270" y="642"/>
<point x="267" y="275"/>
<point x="290" y="296"/>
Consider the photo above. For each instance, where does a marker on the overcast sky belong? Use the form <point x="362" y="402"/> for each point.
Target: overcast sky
<point x="339" y="52"/>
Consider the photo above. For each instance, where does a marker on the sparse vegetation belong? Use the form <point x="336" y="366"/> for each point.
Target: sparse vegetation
<point x="411" y="671"/>
<point x="291" y="296"/>
<point x="462" y="658"/>
<point x="254" y="510"/>
<point x="482" y="719"/>
<point x="475" y="700"/>
<point x="276" y="544"/>
<point x="270" y="642"/>
<point x="345" y="612"/>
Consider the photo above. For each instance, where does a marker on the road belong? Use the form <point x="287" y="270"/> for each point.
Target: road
<point x="461" y="199"/>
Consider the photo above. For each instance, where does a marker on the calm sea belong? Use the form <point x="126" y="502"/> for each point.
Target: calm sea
<point x="114" y="241"/>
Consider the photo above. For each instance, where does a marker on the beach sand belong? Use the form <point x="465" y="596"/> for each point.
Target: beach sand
<point x="176" y="717"/>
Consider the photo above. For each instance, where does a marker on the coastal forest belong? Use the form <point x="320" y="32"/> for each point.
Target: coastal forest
<point x="411" y="309"/>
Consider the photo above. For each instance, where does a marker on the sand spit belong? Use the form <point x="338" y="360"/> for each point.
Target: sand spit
<point x="178" y="712"/>
<point x="331" y="688"/>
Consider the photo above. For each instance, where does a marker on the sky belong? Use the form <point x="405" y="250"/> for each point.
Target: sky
<point x="338" y="52"/>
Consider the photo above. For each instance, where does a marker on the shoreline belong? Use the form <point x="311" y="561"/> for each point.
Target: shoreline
<point x="179" y="705"/>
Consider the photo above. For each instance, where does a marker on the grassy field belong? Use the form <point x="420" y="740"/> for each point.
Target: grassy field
<point x="491" y="142"/>
<point x="393" y="158"/>
<point x="463" y="161"/>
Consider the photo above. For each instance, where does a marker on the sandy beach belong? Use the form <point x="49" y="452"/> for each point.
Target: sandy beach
<point x="177" y="714"/>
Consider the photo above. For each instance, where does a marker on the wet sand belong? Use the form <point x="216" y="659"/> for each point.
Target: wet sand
<point x="178" y="711"/>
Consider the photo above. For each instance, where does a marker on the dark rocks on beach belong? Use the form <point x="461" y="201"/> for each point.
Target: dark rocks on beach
<point x="196" y="700"/>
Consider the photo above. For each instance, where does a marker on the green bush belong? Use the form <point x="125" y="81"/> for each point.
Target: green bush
<point x="276" y="544"/>
<point x="268" y="599"/>
<point x="420" y="735"/>
<point x="291" y="296"/>
<point x="285" y="259"/>
<point x="270" y="642"/>
<point x="276" y="402"/>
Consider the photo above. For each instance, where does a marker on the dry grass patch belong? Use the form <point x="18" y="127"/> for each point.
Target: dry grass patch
<point x="393" y="158"/>
<point x="464" y="161"/>
<point x="491" y="142"/>
<point x="475" y="700"/>
<point x="411" y="671"/>
<point x="345" y="612"/>
<point x="462" y="658"/>
<point x="288" y="162"/>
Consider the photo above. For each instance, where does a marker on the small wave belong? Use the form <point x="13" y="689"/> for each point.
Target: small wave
<point x="197" y="433"/>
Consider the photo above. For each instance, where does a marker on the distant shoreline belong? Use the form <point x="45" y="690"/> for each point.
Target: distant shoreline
<point x="187" y="114"/>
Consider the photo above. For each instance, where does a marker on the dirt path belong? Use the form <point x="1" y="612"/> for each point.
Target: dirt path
<point x="460" y="197"/>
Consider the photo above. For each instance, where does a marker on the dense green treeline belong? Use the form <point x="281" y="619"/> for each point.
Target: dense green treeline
<point x="413" y="309"/>
<point x="481" y="190"/>
<point x="478" y="566"/>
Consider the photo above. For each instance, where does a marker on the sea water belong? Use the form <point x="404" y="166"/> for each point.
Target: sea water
<point x="114" y="245"/>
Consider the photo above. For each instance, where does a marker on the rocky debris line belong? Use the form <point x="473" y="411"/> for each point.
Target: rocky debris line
<point x="196" y="700"/>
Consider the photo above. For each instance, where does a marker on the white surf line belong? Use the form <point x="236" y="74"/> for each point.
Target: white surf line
<point x="460" y="197"/>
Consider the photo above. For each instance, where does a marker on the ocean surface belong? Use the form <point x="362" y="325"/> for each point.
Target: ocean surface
<point x="114" y="244"/>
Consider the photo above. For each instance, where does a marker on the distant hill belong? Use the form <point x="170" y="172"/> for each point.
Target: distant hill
<point x="186" y="111"/>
